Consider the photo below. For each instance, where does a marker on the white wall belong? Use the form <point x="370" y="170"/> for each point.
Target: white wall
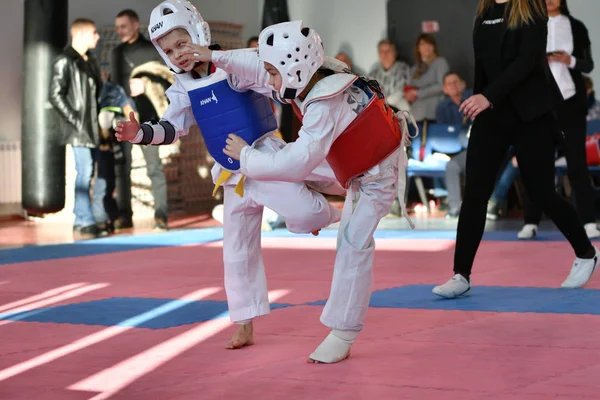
<point x="349" y="25"/>
<point x="588" y="12"/>
<point x="103" y="11"/>
<point x="11" y="62"/>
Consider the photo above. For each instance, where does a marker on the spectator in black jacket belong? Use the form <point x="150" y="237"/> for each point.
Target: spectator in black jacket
<point x="136" y="50"/>
<point x="74" y="89"/>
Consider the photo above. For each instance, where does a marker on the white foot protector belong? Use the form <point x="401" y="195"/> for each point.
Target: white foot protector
<point x="335" y="347"/>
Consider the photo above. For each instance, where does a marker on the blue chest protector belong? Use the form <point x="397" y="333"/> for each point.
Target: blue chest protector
<point x="219" y="111"/>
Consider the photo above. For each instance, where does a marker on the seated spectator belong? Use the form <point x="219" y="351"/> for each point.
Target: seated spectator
<point x="425" y="89"/>
<point x="454" y="89"/>
<point x="426" y="79"/>
<point x="391" y="74"/>
<point x="447" y="113"/>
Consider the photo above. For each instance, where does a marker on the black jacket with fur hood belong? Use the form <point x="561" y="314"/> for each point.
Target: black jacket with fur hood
<point x="157" y="79"/>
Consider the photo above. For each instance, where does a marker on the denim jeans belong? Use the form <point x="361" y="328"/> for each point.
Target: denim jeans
<point x="505" y="182"/>
<point x="88" y="209"/>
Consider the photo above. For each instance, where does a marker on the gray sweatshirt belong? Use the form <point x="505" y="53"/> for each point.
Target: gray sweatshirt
<point x="430" y="89"/>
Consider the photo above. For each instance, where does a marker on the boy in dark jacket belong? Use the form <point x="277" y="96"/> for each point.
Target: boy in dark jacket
<point x="74" y="90"/>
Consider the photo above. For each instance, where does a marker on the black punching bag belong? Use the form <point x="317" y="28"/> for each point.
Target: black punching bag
<point x="274" y="12"/>
<point x="43" y="156"/>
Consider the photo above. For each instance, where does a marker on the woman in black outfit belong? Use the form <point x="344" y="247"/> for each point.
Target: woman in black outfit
<point x="513" y="104"/>
<point x="569" y="55"/>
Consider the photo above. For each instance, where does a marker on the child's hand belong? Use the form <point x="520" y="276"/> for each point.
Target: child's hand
<point x="234" y="146"/>
<point x="127" y="130"/>
<point x="197" y="53"/>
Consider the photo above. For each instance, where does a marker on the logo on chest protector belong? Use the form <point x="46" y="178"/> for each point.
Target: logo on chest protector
<point x="209" y="99"/>
<point x="155" y="27"/>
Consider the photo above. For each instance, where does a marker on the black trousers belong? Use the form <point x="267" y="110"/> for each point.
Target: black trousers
<point x="534" y="141"/>
<point x="157" y="179"/>
<point x="572" y="122"/>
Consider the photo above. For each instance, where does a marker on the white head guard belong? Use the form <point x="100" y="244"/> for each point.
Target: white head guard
<point x="174" y="14"/>
<point x="297" y="53"/>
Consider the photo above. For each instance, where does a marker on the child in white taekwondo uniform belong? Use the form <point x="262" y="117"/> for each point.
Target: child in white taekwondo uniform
<point x="221" y="105"/>
<point x="345" y="122"/>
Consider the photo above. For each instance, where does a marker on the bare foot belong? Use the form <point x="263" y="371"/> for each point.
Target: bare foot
<point x="244" y="336"/>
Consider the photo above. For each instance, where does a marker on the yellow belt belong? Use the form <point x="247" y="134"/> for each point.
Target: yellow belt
<point x="239" y="188"/>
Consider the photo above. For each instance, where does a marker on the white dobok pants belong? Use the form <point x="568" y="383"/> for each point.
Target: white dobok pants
<point x="304" y="211"/>
<point x="348" y="302"/>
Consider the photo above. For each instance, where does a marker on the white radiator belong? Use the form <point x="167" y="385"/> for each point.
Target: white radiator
<point x="10" y="172"/>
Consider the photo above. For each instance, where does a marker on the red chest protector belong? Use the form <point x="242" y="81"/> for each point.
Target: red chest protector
<point x="372" y="137"/>
<point x="592" y="149"/>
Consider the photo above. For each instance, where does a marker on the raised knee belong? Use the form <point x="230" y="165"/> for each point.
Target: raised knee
<point x="309" y="221"/>
<point x="308" y="225"/>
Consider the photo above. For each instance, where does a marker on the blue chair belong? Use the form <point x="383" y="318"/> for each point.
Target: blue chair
<point x="421" y="153"/>
<point x="593" y="126"/>
<point x="446" y="139"/>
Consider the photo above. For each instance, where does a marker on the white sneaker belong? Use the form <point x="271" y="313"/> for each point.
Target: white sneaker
<point x="491" y="216"/>
<point x="529" y="231"/>
<point x="455" y="287"/>
<point x="217" y="213"/>
<point x="591" y="230"/>
<point x="582" y="271"/>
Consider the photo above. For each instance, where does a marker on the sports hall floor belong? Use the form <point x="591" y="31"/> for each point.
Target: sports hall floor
<point x="143" y="316"/>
